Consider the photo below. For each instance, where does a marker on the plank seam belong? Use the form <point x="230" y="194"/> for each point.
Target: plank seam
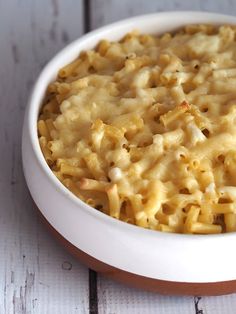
<point x="87" y="16"/>
<point x="196" y="305"/>
<point x="93" y="295"/>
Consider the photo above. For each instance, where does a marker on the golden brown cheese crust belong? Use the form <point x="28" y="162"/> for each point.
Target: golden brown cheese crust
<point x="144" y="129"/>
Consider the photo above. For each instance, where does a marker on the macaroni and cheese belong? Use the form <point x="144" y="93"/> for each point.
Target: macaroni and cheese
<point x="144" y="129"/>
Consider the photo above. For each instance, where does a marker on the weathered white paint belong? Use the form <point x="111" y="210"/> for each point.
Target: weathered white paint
<point x="36" y="274"/>
<point x="107" y="11"/>
<point x="118" y="299"/>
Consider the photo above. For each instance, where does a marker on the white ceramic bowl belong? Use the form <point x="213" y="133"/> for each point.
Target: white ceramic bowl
<point x="152" y="254"/>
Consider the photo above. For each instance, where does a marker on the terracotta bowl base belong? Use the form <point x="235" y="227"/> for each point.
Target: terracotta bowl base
<point x="145" y="283"/>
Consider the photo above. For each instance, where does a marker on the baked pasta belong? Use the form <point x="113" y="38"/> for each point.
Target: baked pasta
<point x="144" y="129"/>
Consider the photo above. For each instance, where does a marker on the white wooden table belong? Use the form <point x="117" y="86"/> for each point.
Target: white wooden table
<point x="36" y="274"/>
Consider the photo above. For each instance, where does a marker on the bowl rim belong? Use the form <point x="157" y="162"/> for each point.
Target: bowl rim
<point x="34" y="106"/>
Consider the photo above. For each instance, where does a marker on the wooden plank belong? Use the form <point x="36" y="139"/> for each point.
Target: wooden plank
<point x="108" y="11"/>
<point x="118" y="299"/>
<point x="36" y="274"/>
<point x="219" y="305"/>
<point x="113" y="297"/>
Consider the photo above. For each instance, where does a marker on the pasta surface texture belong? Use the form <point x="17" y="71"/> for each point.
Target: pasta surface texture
<point x="144" y="129"/>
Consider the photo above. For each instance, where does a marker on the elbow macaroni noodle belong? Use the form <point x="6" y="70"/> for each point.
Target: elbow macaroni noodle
<point x="144" y="129"/>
